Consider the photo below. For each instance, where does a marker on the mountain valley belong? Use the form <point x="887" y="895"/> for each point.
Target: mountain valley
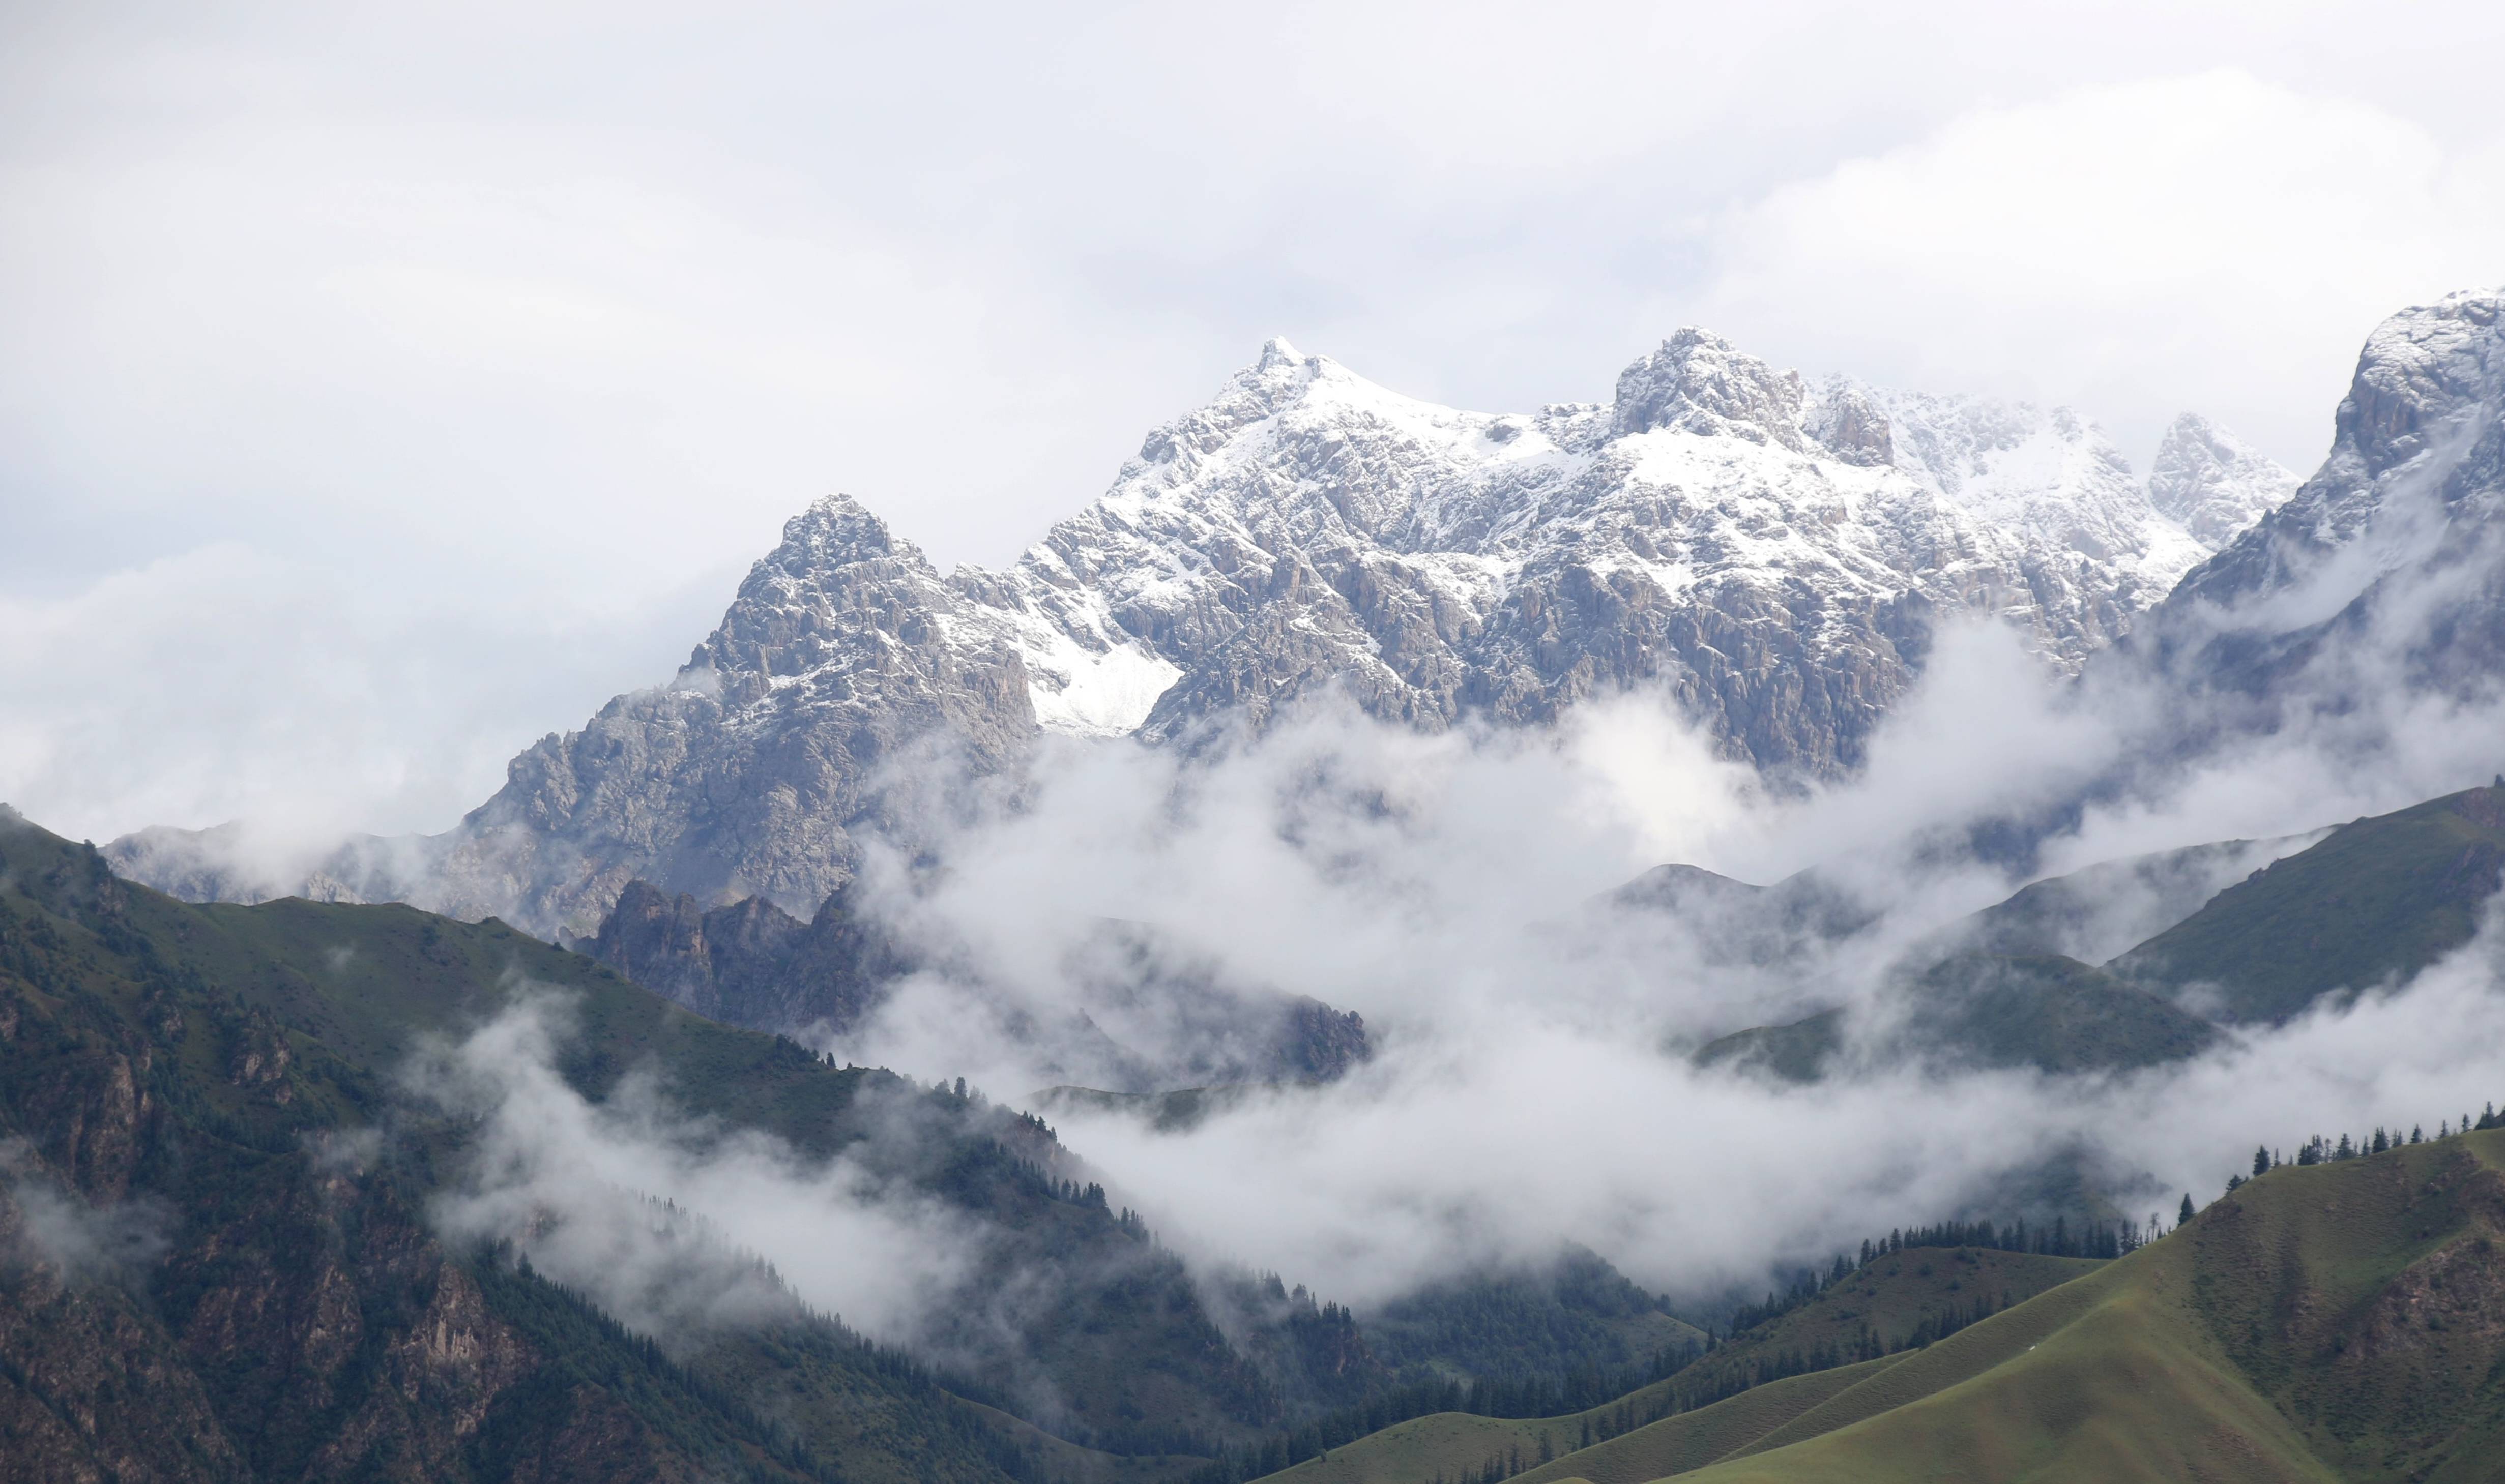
<point x="1271" y="985"/>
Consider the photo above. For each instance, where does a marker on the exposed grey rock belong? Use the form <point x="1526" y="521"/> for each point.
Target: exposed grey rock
<point x="1773" y="558"/>
<point x="2213" y="482"/>
<point x="2383" y="577"/>
<point x="751" y="963"/>
<point x="747" y="773"/>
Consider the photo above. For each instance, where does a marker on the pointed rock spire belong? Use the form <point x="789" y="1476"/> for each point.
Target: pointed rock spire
<point x="1698" y="382"/>
<point x="2213" y="482"/>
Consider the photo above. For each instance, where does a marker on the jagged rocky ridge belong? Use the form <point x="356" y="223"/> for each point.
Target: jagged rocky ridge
<point x="2385" y="572"/>
<point x="1773" y="554"/>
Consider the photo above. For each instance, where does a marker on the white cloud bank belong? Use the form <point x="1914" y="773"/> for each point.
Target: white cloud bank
<point x="1529" y="1089"/>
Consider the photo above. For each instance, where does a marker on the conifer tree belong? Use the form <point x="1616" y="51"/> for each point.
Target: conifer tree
<point x="2261" y="1160"/>
<point x="2185" y="1215"/>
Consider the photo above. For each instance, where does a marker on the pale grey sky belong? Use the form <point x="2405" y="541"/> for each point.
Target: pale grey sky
<point x="379" y="391"/>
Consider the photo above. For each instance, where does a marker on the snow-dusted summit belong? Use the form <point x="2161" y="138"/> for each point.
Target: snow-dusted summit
<point x="2382" y="579"/>
<point x="1773" y="554"/>
<point x="2214" y="483"/>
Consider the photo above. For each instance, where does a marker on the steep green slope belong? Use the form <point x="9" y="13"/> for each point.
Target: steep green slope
<point x="2379" y="898"/>
<point x="2046" y="1011"/>
<point x="1542" y="1322"/>
<point x="1991" y="1010"/>
<point x="1795" y="1053"/>
<point x="2097" y="912"/>
<point x="187" y="1072"/>
<point x="182" y="1224"/>
<point x="1692" y="1439"/>
<point x="1753" y="1383"/>
<point x="2340" y="1321"/>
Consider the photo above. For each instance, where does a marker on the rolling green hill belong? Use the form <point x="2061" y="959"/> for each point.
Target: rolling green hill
<point x="2340" y="1321"/>
<point x="2371" y="901"/>
<point x="2045" y="1011"/>
<point x="2336" y="1322"/>
<point x="2380" y="897"/>
<point x="1991" y="1010"/>
<point x="1760" y="1378"/>
<point x="2098" y="911"/>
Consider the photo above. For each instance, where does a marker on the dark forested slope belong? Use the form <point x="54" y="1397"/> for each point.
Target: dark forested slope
<point x="217" y="1195"/>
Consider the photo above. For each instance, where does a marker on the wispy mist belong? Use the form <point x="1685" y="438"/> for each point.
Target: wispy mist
<point x="1532" y="1085"/>
<point x="664" y="1216"/>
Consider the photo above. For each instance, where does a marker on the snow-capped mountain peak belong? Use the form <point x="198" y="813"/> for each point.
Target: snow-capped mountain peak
<point x="1700" y="383"/>
<point x="1770" y="555"/>
<point x="2213" y="482"/>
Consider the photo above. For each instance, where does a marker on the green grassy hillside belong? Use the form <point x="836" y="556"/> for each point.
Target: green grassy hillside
<point x="1991" y="1010"/>
<point x="1749" y="1385"/>
<point x="2045" y="1011"/>
<point x="2376" y="899"/>
<point x="2373" y="899"/>
<point x="2098" y="911"/>
<point x="2337" y="1321"/>
<point x="2340" y="1321"/>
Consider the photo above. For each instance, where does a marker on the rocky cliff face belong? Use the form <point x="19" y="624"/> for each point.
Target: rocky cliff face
<point x="751" y="963"/>
<point x="1772" y="555"/>
<point x="203" y="1280"/>
<point x="2214" y="484"/>
<point x="2382" y="578"/>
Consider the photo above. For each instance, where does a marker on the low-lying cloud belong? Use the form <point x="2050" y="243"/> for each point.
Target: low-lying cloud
<point x="670" y="1221"/>
<point x="1531" y="1085"/>
<point x="50" y="1225"/>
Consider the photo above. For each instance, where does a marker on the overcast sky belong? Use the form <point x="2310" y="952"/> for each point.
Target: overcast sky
<point x="379" y="391"/>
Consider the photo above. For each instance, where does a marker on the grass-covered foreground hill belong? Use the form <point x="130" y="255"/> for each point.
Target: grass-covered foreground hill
<point x="1766" y="1373"/>
<point x="219" y="1257"/>
<point x="2337" y="1321"/>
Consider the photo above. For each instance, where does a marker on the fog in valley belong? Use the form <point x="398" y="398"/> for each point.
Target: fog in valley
<point x="1534" y="1080"/>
